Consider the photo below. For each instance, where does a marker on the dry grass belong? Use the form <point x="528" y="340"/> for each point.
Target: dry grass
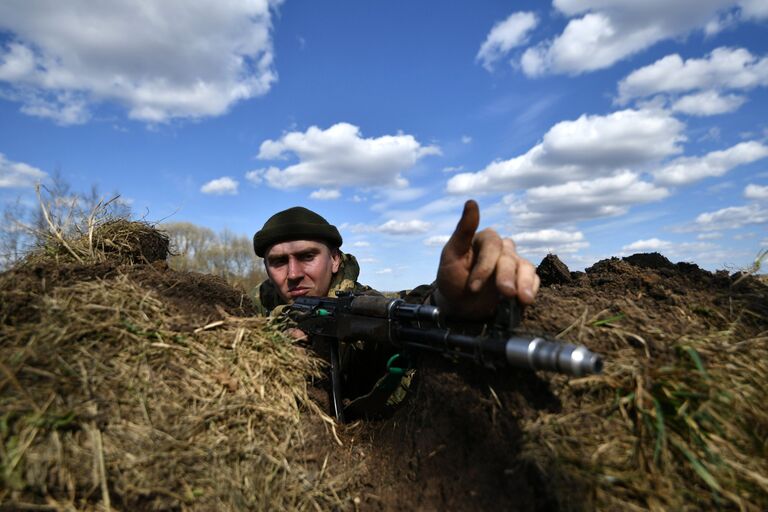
<point x="105" y="403"/>
<point x="684" y="428"/>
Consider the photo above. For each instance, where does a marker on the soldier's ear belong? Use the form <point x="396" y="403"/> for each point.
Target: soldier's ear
<point x="336" y="258"/>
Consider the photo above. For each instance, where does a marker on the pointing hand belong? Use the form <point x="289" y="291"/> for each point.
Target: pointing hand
<point x="478" y="269"/>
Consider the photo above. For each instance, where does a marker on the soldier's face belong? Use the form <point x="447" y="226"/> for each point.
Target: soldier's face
<point x="301" y="268"/>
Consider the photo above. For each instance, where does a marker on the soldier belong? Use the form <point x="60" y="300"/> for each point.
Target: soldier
<point x="302" y="258"/>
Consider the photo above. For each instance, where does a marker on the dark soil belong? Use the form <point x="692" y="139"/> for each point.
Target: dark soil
<point x="199" y="296"/>
<point x="456" y="444"/>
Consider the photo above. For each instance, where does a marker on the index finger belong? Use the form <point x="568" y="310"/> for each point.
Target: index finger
<point x="460" y="242"/>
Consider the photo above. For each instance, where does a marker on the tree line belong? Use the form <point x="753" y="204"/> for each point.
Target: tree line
<point x="226" y="254"/>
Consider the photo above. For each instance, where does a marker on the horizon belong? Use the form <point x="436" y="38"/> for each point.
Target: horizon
<point x="582" y="129"/>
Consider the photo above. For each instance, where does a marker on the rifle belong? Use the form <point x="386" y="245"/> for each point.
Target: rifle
<point x="354" y="317"/>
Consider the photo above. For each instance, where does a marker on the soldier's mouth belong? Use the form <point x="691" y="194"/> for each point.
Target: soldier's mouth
<point x="298" y="292"/>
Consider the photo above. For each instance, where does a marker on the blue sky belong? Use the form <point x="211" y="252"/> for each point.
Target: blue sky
<point x="587" y="128"/>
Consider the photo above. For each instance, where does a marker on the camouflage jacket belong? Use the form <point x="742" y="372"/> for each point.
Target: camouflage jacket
<point x="370" y="388"/>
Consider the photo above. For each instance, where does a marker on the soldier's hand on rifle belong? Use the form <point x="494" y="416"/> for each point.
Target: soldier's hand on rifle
<point x="478" y="269"/>
<point x="297" y="334"/>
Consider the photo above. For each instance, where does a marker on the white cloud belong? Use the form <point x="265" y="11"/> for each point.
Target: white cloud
<point x="466" y="139"/>
<point x="550" y="241"/>
<point x="709" y="236"/>
<point x="699" y="252"/>
<point x="163" y="60"/>
<point x="409" y="227"/>
<point x="361" y="243"/>
<point x="384" y="271"/>
<point x="65" y="110"/>
<point x="708" y="103"/>
<point x="750" y="10"/>
<point x="756" y="192"/>
<point x="19" y="174"/>
<point x="732" y="217"/>
<point x="220" y="186"/>
<point x="341" y="157"/>
<point x="717" y="25"/>
<point x="17" y="62"/>
<point x="325" y="194"/>
<point x="436" y="240"/>
<point x="389" y="196"/>
<point x="504" y="36"/>
<point x="686" y="170"/>
<point x="256" y="176"/>
<point x="582" y="200"/>
<point x="593" y="42"/>
<point x="356" y="228"/>
<point x="712" y="134"/>
<point x="755" y="9"/>
<point x="549" y="236"/>
<point x="615" y="140"/>
<point x="652" y="244"/>
<point x="720" y="186"/>
<point x="443" y="213"/>
<point x="589" y="147"/>
<point x="724" y="69"/>
<point x="609" y="31"/>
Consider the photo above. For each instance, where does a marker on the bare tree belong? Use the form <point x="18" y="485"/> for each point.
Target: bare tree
<point x="226" y="254"/>
<point x="14" y="234"/>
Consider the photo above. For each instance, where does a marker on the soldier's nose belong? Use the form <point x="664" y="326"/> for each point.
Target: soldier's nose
<point x="294" y="269"/>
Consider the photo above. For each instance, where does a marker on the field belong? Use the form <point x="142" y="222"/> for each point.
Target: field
<point x="127" y="385"/>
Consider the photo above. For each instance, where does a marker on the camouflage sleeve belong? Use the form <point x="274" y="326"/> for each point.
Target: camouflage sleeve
<point x="258" y="304"/>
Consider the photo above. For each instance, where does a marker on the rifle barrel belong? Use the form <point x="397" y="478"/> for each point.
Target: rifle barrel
<point x="554" y="356"/>
<point x="517" y="351"/>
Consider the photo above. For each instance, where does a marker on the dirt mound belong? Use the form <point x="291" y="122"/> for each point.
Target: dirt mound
<point x="674" y="422"/>
<point x="127" y="384"/>
<point x="201" y="297"/>
<point x="652" y="260"/>
<point x="135" y="387"/>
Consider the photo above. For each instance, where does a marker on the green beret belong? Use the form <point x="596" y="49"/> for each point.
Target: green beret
<point x="295" y="223"/>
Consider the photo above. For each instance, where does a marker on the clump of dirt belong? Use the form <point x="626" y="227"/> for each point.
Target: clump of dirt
<point x="553" y="271"/>
<point x="131" y="242"/>
<point x="115" y="240"/>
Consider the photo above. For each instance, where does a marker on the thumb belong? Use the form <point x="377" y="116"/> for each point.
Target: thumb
<point x="460" y="242"/>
